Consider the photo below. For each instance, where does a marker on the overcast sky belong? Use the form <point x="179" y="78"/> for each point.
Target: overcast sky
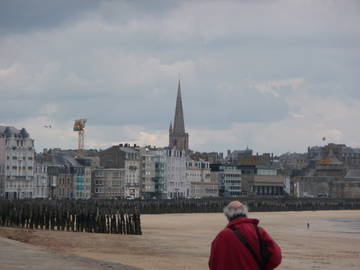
<point x="276" y="76"/>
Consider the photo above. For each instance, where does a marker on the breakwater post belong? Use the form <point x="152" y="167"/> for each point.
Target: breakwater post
<point x="92" y="216"/>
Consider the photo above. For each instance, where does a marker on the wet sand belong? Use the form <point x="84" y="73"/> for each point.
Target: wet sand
<point x="182" y="241"/>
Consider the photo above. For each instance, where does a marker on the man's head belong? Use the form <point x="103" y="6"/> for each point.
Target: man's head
<point x="235" y="209"/>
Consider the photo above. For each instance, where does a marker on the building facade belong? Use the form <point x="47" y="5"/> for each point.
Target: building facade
<point x="229" y="179"/>
<point x="127" y="157"/>
<point x="147" y="173"/>
<point x="160" y="158"/>
<point x="199" y="177"/>
<point x="40" y="180"/>
<point x="267" y="181"/>
<point x="17" y="156"/>
<point x="108" y="183"/>
<point x="175" y="174"/>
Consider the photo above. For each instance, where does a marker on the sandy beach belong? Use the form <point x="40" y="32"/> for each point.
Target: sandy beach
<point x="182" y="241"/>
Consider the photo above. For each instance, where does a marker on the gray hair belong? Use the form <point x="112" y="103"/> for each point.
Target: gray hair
<point x="235" y="209"/>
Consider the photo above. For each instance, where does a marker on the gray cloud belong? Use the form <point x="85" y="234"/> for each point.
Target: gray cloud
<point x="20" y="16"/>
<point x="117" y="63"/>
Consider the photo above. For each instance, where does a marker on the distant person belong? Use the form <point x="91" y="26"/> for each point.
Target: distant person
<point x="242" y="245"/>
<point x="308" y="225"/>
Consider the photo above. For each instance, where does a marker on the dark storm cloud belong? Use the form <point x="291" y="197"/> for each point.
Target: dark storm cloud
<point x="19" y="16"/>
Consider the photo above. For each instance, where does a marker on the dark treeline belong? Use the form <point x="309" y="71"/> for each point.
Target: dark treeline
<point x="257" y="204"/>
<point x="70" y="215"/>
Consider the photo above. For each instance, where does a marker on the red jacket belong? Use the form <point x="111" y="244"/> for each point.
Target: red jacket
<point x="229" y="253"/>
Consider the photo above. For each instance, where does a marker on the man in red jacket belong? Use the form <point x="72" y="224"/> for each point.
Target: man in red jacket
<point x="242" y="245"/>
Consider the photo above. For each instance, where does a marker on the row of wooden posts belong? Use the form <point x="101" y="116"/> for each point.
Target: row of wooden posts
<point x="255" y="204"/>
<point x="123" y="216"/>
<point x="69" y="215"/>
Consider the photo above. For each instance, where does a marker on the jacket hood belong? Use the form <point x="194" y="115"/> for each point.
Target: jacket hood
<point x="243" y="220"/>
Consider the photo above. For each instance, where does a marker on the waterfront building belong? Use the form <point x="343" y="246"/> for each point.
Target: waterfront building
<point x="229" y="179"/>
<point x="199" y="177"/>
<point x="147" y="172"/>
<point x="267" y="181"/>
<point x="68" y="178"/>
<point x="16" y="163"/>
<point x="125" y="156"/>
<point x="160" y="160"/>
<point x="40" y="180"/>
<point x="324" y="175"/>
<point x="60" y="180"/>
<point x="108" y="183"/>
<point x="175" y="173"/>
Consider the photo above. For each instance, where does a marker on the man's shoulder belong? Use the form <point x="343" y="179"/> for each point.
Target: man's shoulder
<point x="224" y="234"/>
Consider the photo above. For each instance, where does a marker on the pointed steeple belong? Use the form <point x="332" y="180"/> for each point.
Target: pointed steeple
<point x="177" y="136"/>
<point x="179" y="125"/>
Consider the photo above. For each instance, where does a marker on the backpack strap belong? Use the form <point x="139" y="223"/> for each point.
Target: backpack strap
<point x="263" y="248"/>
<point x="245" y="242"/>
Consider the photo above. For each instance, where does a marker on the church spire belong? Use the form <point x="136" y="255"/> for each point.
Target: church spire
<point x="179" y="125"/>
<point x="177" y="136"/>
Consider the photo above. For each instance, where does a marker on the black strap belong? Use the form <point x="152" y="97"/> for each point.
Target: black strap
<point x="263" y="247"/>
<point x="245" y="242"/>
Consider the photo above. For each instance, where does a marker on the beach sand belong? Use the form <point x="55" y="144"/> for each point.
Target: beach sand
<point x="182" y="241"/>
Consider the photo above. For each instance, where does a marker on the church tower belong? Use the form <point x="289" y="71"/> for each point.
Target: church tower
<point x="177" y="136"/>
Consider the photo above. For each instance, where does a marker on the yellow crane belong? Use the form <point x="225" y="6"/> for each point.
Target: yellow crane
<point x="79" y="126"/>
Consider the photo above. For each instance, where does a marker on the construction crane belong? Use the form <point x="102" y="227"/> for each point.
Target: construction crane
<point x="79" y="126"/>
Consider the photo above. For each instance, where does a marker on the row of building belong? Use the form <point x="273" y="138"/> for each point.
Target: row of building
<point x="131" y="171"/>
<point x="123" y="171"/>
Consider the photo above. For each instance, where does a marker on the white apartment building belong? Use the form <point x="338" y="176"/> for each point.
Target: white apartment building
<point x="199" y="178"/>
<point x="16" y="163"/>
<point x="40" y="181"/>
<point x="132" y="172"/>
<point x="197" y="171"/>
<point x="147" y="160"/>
<point x="229" y="179"/>
<point x="175" y="174"/>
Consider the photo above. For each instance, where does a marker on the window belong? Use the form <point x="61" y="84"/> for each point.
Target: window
<point x="14" y="158"/>
<point x="30" y="168"/>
